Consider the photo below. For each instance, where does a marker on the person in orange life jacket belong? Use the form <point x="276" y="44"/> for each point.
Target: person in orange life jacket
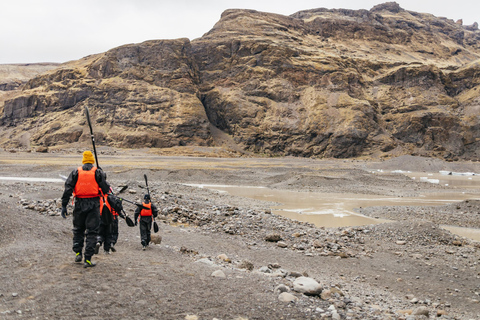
<point x="85" y="182"/>
<point x="145" y="219"/>
<point x="108" y="234"/>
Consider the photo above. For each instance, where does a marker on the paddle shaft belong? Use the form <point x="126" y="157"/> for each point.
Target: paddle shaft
<point x="91" y="135"/>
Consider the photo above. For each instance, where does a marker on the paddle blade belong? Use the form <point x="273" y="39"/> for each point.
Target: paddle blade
<point x="129" y="221"/>
<point x="87" y="113"/>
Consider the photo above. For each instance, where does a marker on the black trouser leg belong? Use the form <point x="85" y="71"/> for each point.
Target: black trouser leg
<point x="78" y="230"/>
<point x="92" y="223"/>
<point x="108" y="237"/>
<point x="148" y="232"/>
<point x="114" y="230"/>
<point x="101" y="232"/>
<point x="145" y="226"/>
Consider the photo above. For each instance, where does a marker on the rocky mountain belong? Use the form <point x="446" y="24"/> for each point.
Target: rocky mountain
<point x="319" y="83"/>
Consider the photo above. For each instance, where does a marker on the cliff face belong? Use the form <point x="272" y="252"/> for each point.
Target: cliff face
<point x="141" y="95"/>
<point x="326" y="83"/>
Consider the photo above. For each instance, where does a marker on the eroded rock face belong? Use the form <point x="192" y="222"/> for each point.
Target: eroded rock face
<point x="326" y="83"/>
<point x="139" y="95"/>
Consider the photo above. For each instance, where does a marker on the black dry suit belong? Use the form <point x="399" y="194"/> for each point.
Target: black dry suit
<point x="86" y="212"/>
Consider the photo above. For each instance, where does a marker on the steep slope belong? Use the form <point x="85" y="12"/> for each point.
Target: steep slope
<point x="140" y="95"/>
<point x="342" y="83"/>
<point x="325" y="83"/>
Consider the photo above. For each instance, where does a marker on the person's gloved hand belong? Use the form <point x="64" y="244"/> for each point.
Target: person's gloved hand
<point x="64" y="212"/>
<point x="135" y="222"/>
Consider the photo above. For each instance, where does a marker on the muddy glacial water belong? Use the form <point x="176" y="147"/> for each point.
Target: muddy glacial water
<point x="332" y="210"/>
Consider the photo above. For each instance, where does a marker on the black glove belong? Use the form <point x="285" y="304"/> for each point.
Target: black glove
<point x="64" y="212"/>
<point x="135" y="222"/>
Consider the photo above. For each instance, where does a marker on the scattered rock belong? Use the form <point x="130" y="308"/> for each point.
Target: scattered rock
<point x="205" y="261"/>
<point x="281" y="288"/>
<point x="224" y="257"/>
<point x="287" y="297"/>
<point x="246" y="265"/>
<point x="307" y="286"/>
<point x="282" y="244"/>
<point x="274" y="237"/>
<point x="421" y="311"/>
<point x="156" y="238"/>
<point x="219" y="274"/>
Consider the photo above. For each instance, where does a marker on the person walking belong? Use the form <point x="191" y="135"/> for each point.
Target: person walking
<point x="144" y="216"/>
<point x="85" y="183"/>
<point x="108" y="232"/>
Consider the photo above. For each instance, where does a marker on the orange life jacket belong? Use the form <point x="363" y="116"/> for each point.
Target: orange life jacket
<point x="145" y="212"/>
<point x="87" y="186"/>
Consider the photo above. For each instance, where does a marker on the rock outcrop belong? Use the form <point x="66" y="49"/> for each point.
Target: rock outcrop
<point x="319" y="83"/>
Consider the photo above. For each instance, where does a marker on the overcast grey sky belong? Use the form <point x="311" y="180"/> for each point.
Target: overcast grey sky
<point x="62" y="30"/>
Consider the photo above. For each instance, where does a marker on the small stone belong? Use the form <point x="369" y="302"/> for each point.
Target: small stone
<point x="206" y="261"/>
<point x="156" y="238"/>
<point x="219" y="274"/>
<point x="274" y="237"/>
<point x="441" y="313"/>
<point x="224" y="257"/>
<point x="405" y="312"/>
<point x="287" y="297"/>
<point x="307" y="286"/>
<point x="265" y="270"/>
<point x="246" y="265"/>
<point x="282" y="244"/>
<point x="295" y="274"/>
<point x="317" y="244"/>
<point x="326" y="294"/>
<point x="421" y="311"/>
<point x="401" y="243"/>
<point x="281" y="288"/>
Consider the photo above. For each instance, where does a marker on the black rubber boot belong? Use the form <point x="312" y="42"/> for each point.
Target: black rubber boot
<point x="97" y="247"/>
<point x="88" y="263"/>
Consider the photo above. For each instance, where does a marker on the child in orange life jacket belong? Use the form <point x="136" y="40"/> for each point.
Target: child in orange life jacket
<point x="145" y="220"/>
<point x="85" y="182"/>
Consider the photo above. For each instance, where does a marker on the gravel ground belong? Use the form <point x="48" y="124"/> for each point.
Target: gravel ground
<point x="226" y="257"/>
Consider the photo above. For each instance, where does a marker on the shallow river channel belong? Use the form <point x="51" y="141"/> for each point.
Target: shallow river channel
<point x="337" y="209"/>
